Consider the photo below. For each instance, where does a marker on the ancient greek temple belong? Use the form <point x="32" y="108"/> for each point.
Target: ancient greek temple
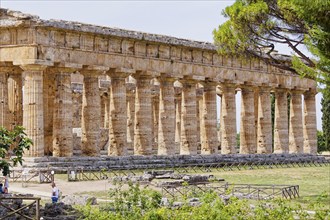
<point x="84" y="90"/>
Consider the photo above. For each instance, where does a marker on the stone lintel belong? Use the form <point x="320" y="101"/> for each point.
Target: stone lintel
<point x="95" y="68"/>
<point x="198" y="78"/>
<point x="26" y="62"/>
<point x="127" y="71"/>
<point x="170" y="75"/>
<point x="69" y="65"/>
<point x="145" y="74"/>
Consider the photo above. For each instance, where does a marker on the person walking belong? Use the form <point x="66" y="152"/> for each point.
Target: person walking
<point x="55" y="193"/>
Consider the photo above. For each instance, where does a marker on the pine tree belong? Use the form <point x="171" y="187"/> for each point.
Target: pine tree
<point x="326" y="117"/>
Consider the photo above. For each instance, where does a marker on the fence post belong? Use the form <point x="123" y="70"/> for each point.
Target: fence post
<point x="38" y="209"/>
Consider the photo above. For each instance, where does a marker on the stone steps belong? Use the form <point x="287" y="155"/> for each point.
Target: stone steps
<point x="154" y="161"/>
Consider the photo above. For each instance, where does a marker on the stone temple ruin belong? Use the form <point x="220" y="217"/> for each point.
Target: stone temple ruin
<point x="88" y="90"/>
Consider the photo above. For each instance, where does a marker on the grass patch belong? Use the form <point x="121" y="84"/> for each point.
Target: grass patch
<point x="314" y="182"/>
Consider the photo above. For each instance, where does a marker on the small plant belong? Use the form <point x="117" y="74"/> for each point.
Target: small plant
<point x="15" y="141"/>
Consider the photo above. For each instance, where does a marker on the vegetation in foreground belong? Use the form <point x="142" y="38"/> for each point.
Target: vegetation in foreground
<point x="137" y="203"/>
<point x="14" y="141"/>
<point x="142" y="203"/>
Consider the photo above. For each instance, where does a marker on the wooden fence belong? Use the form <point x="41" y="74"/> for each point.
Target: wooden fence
<point x="30" y="202"/>
<point x="242" y="191"/>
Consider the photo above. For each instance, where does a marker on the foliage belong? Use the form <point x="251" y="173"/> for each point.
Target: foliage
<point x="257" y="27"/>
<point x="320" y="142"/>
<point x="135" y="203"/>
<point x="15" y="141"/>
<point x="326" y="116"/>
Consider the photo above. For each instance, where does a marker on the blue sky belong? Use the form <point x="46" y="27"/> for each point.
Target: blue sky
<point x="193" y="20"/>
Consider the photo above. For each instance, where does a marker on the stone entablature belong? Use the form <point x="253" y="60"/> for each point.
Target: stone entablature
<point x="26" y="39"/>
<point x="153" y="94"/>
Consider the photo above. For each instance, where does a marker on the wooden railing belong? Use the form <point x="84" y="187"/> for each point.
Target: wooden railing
<point x="243" y="191"/>
<point x="31" y="201"/>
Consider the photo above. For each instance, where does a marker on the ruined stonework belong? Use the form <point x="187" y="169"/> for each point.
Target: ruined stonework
<point x="84" y="90"/>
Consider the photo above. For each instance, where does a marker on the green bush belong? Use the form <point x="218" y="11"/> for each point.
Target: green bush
<point x="136" y="203"/>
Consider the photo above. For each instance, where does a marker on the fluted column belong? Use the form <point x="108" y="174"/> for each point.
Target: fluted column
<point x="296" y="137"/>
<point x="209" y="141"/>
<point x="118" y="115"/>
<point x="143" y="116"/>
<point x="130" y="105"/>
<point x="91" y="114"/>
<point x="4" y="108"/>
<point x="228" y="120"/>
<point x="63" y="113"/>
<point x="281" y="133"/>
<point x="309" y="125"/>
<point x="15" y="96"/>
<point x="178" y="102"/>
<point x="166" y="124"/>
<point x="33" y="111"/>
<point x="155" y="119"/>
<point x="264" y="133"/>
<point x="105" y="104"/>
<point x="247" y="128"/>
<point x="49" y="101"/>
<point x="188" y="144"/>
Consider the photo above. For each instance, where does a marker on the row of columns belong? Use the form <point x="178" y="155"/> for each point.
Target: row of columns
<point x="255" y="129"/>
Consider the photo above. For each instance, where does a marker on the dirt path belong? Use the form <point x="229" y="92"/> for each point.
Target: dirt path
<point x="67" y="188"/>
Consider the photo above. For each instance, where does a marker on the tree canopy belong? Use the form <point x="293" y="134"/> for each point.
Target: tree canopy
<point x="256" y="28"/>
<point x="15" y="141"/>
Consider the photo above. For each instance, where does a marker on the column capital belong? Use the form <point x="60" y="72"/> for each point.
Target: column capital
<point x="166" y="78"/>
<point x="227" y="85"/>
<point x="281" y="90"/>
<point x="33" y="67"/>
<point x="310" y="93"/>
<point x="93" y="70"/>
<point x="120" y="72"/>
<point x="249" y="88"/>
<point x="10" y="69"/>
<point x="296" y="92"/>
<point x="208" y="82"/>
<point x="145" y="74"/>
<point x="264" y="89"/>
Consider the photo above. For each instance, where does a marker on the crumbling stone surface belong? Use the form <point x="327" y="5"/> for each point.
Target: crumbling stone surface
<point x="78" y="200"/>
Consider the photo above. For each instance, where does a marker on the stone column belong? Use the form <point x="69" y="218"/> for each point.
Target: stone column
<point x="33" y="111"/>
<point x="4" y="108"/>
<point x="296" y="137"/>
<point x="118" y="115"/>
<point x="188" y="144"/>
<point x="209" y="141"/>
<point x="105" y="110"/>
<point x="247" y="129"/>
<point x="177" y="100"/>
<point x="63" y="113"/>
<point x="155" y="119"/>
<point x="264" y="133"/>
<point x="281" y="133"/>
<point x="49" y="98"/>
<point x="91" y="114"/>
<point x="130" y="97"/>
<point x="166" y="124"/>
<point x="309" y="125"/>
<point x="228" y="120"/>
<point x="15" y="102"/>
<point x="143" y="116"/>
<point x="199" y="106"/>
